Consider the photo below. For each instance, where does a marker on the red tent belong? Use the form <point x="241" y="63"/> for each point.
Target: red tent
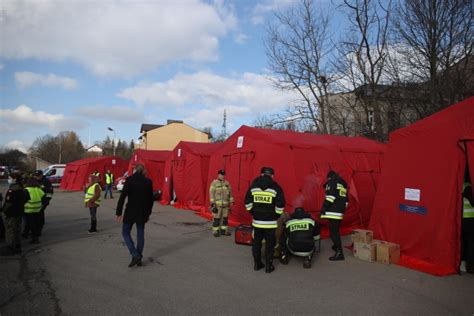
<point x="77" y="173"/>
<point x="154" y="162"/>
<point x="418" y="203"/>
<point x="186" y="174"/>
<point x="301" y="162"/>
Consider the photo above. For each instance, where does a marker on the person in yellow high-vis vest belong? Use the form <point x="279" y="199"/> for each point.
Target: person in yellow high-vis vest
<point x="467" y="228"/>
<point x="109" y="183"/>
<point x="33" y="205"/>
<point x="92" y="200"/>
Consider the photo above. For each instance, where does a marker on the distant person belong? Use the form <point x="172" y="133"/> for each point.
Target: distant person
<point x="138" y="190"/>
<point x="92" y="200"/>
<point x="109" y="183"/>
<point x="333" y="208"/>
<point x="34" y="204"/>
<point x="467" y="229"/>
<point x="13" y="210"/>
<point x="265" y="202"/>
<point x="47" y="188"/>
<point x="2" y="225"/>
<point x="220" y="197"/>
<point x="299" y="236"/>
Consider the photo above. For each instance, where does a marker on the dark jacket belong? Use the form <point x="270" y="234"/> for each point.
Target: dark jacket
<point x="335" y="202"/>
<point x="301" y="231"/>
<point x="15" y="200"/>
<point x="139" y="193"/>
<point x="265" y="202"/>
<point x="46" y="186"/>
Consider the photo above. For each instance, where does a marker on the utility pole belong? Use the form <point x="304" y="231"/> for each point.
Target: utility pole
<point x="224" y="126"/>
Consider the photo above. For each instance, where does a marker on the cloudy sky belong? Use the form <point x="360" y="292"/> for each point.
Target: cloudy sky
<point x="86" y="65"/>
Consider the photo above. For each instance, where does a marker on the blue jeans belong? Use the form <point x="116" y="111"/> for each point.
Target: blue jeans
<point x="108" y="188"/>
<point x="126" y="230"/>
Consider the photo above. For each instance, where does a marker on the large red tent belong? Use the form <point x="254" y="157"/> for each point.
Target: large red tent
<point x="418" y="203"/>
<point x="186" y="174"/>
<point x="154" y="162"/>
<point x="77" y="173"/>
<point x="301" y="162"/>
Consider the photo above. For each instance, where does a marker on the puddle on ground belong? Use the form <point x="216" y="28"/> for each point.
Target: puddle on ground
<point x="192" y="223"/>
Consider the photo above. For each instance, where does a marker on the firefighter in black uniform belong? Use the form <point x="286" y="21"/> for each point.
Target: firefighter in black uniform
<point x="298" y="238"/>
<point x="333" y="208"/>
<point x="265" y="202"/>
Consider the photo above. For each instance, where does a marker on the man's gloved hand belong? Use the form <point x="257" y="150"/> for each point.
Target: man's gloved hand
<point x="213" y="208"/>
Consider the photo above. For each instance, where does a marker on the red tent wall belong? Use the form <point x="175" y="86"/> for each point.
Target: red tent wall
<point x="186" y="173"/>
<point x="77" y="173"/>
<point x="154" y="162"/>
<point x="301" y="162"/>
<point x="426" y="156"/>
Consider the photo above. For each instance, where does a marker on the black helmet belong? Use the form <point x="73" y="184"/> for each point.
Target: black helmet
<point x="267" y="170"/>
<point x="222" y="172"/>
<point x="331" y="174"/>
<point x="299" y="210"/>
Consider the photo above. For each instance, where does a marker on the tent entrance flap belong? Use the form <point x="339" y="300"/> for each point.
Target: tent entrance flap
<point x="238" y="166"/>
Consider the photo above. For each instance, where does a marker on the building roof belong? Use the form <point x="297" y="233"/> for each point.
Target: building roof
<point x="149" y="127"/>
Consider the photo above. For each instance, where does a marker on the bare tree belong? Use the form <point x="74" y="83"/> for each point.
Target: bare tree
<point x="362" y="60"/>
<point x="298" y="49"/>
<point x="435" y="39"/>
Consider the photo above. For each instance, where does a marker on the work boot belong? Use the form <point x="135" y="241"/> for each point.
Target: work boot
<point x="216" y="233"/>
<point x="269" y="266"/>
<point x="284" y="259"/>
<point x="338" y="256"/>
<point x="135" y="261"/>
<point x="307" y="262"/>
<point x="93" y="227"/>
<point x="333" y="247"/>
<point x="225" y="232"/>
<point x="258" y="263"/>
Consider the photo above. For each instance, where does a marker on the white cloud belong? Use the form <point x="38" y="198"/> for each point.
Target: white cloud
<point x="116" y="113"/>
<point x="24" y="117"/>
<point x="2" y="66"/>
<point x="25" y="79"/>
<point x="269" y="6"/>
<point x="241" y="38"/>
<point x="115" y="38"/>
<point x="214" y="117"/>
<point x="17" y="144"/>
<point x="210" y="90"/>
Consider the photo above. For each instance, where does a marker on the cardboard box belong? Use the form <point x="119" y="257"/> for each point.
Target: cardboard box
<point x="362" y="236"/>
<point x="387" y="252"/>
<point x="366" y="252"/>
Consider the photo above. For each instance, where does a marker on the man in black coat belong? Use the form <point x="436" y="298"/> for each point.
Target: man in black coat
<point x="139" y="193"/>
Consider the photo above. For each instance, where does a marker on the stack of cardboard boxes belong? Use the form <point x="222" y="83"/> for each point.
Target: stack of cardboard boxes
<point x="366" y="248"/>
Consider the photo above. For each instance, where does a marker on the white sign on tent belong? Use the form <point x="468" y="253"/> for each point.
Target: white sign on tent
<point x="412" y="194"/>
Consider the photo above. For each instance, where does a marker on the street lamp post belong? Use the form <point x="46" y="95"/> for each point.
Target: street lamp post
<point x="113" y="140"/>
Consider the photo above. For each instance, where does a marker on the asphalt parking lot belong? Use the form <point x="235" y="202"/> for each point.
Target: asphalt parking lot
<point x="189" y="272"/>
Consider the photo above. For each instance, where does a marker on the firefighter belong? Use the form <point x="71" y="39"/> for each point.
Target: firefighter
<point x="298" y="238"/>
<point x="467" y="229"/>
<point x="221" y="199"/>
<point x="265" y="202"/>
<point x="13" y="210"/>
<point x="47" y="188"/>
<point x="333" y="208"/>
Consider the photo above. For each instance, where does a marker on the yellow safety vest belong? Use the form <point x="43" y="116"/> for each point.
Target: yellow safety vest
<point x="33" y="205"/>
<point x="90" y="193"/>
<point x="109" y="178"/>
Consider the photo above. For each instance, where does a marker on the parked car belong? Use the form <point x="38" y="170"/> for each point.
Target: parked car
<point x="55" y="173"/>
<point x="120" y="181"/>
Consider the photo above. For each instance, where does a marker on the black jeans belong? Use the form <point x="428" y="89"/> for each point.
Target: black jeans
<point x="270" y="240"/>
<point x="467" y="242"/>
<point x="334" y="225"/>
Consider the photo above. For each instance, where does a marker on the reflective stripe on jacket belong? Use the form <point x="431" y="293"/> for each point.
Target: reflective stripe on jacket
<point x="34" y="204"/>
<point x="220" y="193"/>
